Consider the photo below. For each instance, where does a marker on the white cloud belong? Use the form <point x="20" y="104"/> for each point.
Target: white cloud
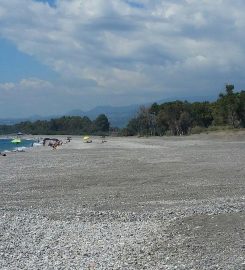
<point x="7" y="86"/>
<point x="26" y="84"/>
<point x="34" y="83"/>
<point x="112" y="46"/>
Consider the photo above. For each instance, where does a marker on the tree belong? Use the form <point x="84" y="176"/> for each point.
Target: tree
<point x="184" y="123"/>
<point x="64" y="125"/>
<point x="154" y="109"/>
<point x="241" y="108"/>
<point x="201" y="113"/>
<point x="144" y="121"/>
<point x="227" y="107"/>
<point x="175" y="116"/>
<point x="162" y="123"/>
<point x="102" y="124"/>
<point x="132" y="127"/>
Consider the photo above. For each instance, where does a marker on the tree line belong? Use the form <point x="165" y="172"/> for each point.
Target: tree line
<point x="170" y="118"/>
<point x="182" y="118"/>
<point x="68" y="125"/>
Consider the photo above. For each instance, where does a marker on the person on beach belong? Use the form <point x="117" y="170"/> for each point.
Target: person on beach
<point x="3" y="154"/>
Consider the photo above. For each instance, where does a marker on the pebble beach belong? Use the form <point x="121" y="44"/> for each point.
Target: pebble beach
<point x="128" y="203"/>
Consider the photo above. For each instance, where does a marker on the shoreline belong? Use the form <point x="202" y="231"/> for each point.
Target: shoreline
<point x="16" y="148"/>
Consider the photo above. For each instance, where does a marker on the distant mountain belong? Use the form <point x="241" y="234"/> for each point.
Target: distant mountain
<point x="118" y="116"/>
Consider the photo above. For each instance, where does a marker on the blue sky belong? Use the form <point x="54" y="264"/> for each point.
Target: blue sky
<point x="61" y="55"/>
<point x="15" y="65"/>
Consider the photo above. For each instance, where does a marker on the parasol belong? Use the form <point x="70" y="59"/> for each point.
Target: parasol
<point x="16" y="141"/>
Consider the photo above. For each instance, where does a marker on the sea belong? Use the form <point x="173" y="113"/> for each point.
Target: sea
<point x="6" y="145"/>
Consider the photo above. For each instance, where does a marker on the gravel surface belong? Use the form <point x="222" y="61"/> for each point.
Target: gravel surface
<point x="129" y="203"/>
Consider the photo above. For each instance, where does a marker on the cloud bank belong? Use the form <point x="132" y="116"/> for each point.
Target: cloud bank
<point x="130" y="51"/>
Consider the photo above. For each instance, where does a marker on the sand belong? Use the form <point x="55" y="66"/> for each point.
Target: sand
<point x="129" y="203"/>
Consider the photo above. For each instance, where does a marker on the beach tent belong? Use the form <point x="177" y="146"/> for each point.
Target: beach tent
<point x="16" y="141"/>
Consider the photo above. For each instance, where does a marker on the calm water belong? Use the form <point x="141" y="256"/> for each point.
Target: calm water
<point x="6" y="145"/>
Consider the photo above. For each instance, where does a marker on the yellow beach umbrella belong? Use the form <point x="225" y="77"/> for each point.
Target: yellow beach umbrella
<point x="86" y="138"/>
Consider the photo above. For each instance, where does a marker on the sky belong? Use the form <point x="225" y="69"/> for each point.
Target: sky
<point x="61" y="55"/>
